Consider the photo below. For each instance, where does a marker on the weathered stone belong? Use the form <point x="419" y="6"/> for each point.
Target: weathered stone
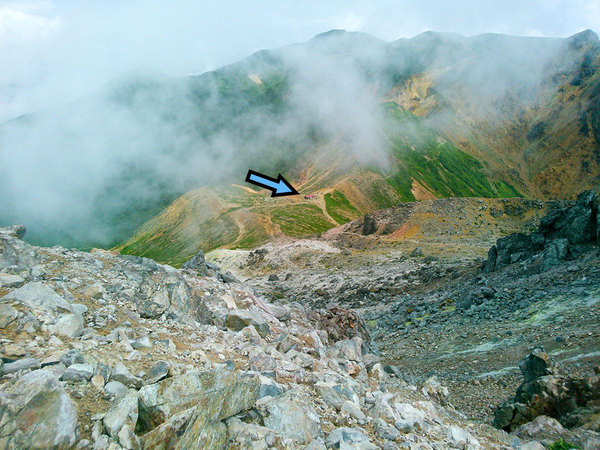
<point x="353" y="410"/>
<point x="72" y="357"/>
<point x="197" y="263"/>
<point x="22" y="364"/>
<point x="13" y="351"/>
<point x="69" y="325"/>
<point x="248" y="435"/>
<point x="159" y="370"/>
<point x="293" y="416"/>
<point x="335" y="394"/>
<point x="461" y="438"/>
<point x="17" y="231"/>
<point x="166" y="435"/>
<point x="239" y="319"/>
<point x="280" y="312"/>
<point x="345" y="437"/>
<point x="78" y="372"/>
<point x="228" y="277"/>
<point x="269" y="387"/>
<point x="115" y="388"/>
<point x="223" y="395"/>
<point x="123" y="411"/>
<point x="39" y="297"/>
<point x="217" y="392"/>
<point x="10" y="281"/>
<point x="123" y="375"/>
<point x="94" y="291"/>
<point x="128" y="439"/>
<point x="7" y="315"/>
<point x="38" y="414"/>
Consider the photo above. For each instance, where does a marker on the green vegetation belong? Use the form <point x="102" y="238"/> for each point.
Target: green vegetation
<point x="562" y="445"/>
<point x="339" y="208"/>
<point x="300" y="220"/>
<point x="434" y="162"/>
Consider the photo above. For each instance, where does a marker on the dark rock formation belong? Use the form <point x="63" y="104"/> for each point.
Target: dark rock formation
<point x="574" y="402"/>
<point x="560" y="236"/>
<point x="197" y="263"/>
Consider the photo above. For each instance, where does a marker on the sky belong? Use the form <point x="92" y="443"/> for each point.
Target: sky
<point x="52" y="52"/>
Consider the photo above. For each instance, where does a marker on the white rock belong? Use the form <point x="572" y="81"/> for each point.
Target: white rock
<point x="353" y="410"/>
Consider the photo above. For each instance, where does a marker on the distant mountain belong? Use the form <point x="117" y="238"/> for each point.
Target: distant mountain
<point x="362" y="123"/>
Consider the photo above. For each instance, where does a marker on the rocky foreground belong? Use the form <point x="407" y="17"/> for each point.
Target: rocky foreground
<point x="466" y="320"/>
<point x="106" y="351"/>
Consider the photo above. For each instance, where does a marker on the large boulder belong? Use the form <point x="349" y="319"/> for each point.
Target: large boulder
<point x="218" y="394"/>
<point x="545" y="392"/>
<point x="14" y="252"/>
<point x="293" y="416"/>
<point x="240" y="319"/>
<point x="37" y="413"/>
<point x="197" y="263"/>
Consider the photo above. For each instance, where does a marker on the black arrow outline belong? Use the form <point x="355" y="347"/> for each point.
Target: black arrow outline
<point x="273" y="190"/>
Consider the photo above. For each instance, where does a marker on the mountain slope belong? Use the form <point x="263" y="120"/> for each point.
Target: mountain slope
<point x="497" y="116"/>
<point x="420" y="164"/>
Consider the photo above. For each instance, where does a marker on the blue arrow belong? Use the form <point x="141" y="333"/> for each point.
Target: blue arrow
<point x="279" y="187"/>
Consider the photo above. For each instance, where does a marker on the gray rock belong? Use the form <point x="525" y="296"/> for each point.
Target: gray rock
<point x="293" y="415"/>
<point x="239" y="319"/>
<point x="197" y="263"/>
<point x="38" y="414"/>
<point x="115" y="388"/>
<point x="39" y="297"/>
<point x="22" y="364"/>
<point x="217" y="391"/>
<point x="273" y="277"/>
<point x="124" y="376"/>
<point x="128" y="439"/>
<point x="159" y="370"/>
<point x="228" y="277"/>
<point x="78" y="372"/>
<point x="223" y="394"/>
<point x="164" y="436"/>
<point x="16" y="231"/>
<point x="386" y="432"/>
<point x="345" y="437"/>
<point x="353" y="410"/>
<point x="335" y="394"/>
<point x="72" y="357"/>
<point x="269" y="387"/>
<point x="69" y="325"/>
<point x="461" y="438"/>
<point x="418" y="251"/>
<point x="8" y="314"/>
<point x="123" y="411"/>
<point x="280" y="312"/>
<point x="10" y="281"/>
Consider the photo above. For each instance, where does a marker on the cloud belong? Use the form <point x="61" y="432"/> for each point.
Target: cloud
<point x="26" y="23"/>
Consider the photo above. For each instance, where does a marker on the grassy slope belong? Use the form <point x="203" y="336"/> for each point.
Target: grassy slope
<point x="238" y="217"/>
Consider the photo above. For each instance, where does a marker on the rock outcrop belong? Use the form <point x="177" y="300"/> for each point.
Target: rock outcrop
<point x="573" y="402"/>
<point x="560" y="235"/>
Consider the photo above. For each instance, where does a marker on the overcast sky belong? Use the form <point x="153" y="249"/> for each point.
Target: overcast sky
<point x="55" y="51"/>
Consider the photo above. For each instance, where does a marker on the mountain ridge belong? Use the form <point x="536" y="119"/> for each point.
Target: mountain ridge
<point x="158" y="138"/>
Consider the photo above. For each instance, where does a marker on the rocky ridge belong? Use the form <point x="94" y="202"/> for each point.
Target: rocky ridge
<point x="106" y="351"/>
